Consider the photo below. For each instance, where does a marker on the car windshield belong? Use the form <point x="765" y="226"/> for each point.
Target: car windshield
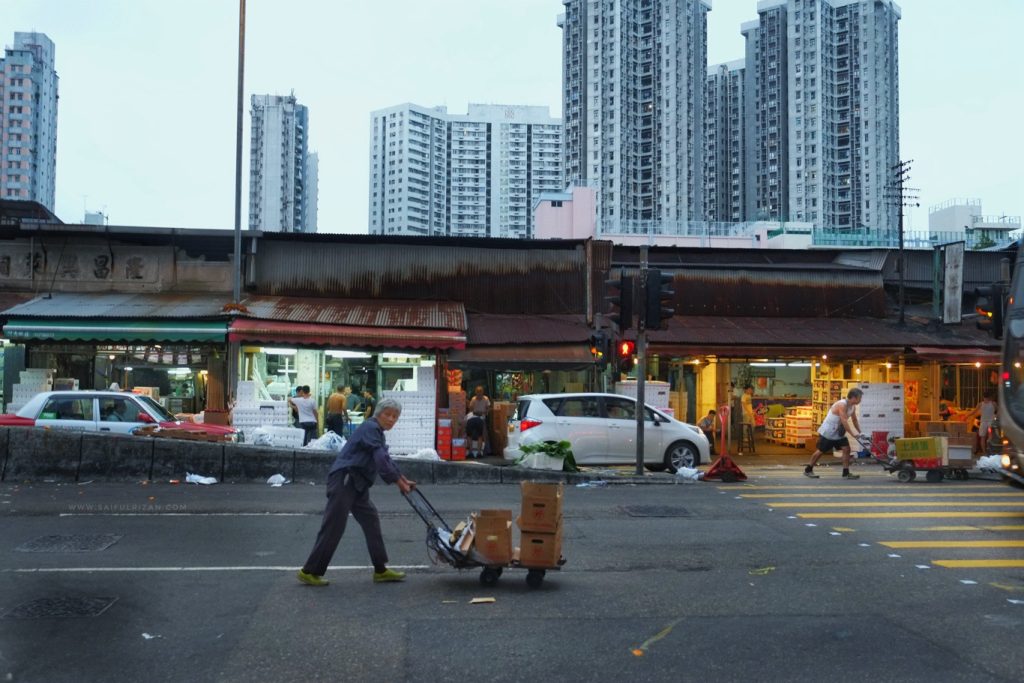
<point x="155" y="407"/>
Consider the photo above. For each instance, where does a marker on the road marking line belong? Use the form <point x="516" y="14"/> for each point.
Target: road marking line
<point x="247" y="568"/>
<point x="639" y="651"/>
<point x="1008" y="587"/>
<point x="905" y="515"/>
<point x="1005" y="527"/>
<point x="952" y="544"/>
<point x="887" y="493"/>
<point x="843" y="529"/>
<point x="898" y="504"/>
<point x="848" y="487"/>
<point x="979" y="564"/>
<point x="188" y="514"/>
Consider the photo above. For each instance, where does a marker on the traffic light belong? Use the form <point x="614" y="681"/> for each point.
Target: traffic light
<point x="620" y="301"/>
<point x="991" y="305"/>
<point x="660" y="304"/>
<point x="600" y="348"/>
<point x="625" y="349"/>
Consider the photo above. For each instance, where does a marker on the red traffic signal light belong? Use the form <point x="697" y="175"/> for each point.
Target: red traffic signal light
<point x="626" y="348"/>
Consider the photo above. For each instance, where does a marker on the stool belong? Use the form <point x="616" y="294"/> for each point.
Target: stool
<point x="746" y="437"/>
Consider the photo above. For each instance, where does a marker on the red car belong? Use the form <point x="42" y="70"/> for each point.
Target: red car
<point x="116" y="412"/>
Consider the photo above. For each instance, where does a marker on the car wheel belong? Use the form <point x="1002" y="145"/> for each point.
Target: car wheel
<point x="681" y="454"/>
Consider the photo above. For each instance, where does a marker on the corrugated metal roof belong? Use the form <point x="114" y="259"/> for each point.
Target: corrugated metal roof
<point x="533" y="278"/>
<point x="441" y="315"/>
<point x="489" y="328"/>
<point x="721" y="332"/>
<point x="122" y="306"/>
<point x="523" y="357"/>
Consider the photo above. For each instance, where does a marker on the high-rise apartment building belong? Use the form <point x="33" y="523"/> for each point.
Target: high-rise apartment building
<point x="477" y="175"/>
<point x="278" y="164"/>
<point x="28" y="121"/>
<point x="767" y="113"/>
<point x="312" y="187"/>
<point x="633" y="81"/>
<point x="725" y="154"/>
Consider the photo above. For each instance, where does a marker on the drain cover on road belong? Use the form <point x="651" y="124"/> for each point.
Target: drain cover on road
<point x="86" y="543"/>
<point x="655" y="511"/>
<point x="63" y="606"/>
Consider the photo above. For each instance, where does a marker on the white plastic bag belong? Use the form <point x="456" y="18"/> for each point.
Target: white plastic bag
<point x="689" y="474"/>
<point x="425" y="454"/>
<point x="260" y="437"/>
<point x="277" y="480"/>
<point x="328" y="442"/>
<point x="199" y="479"/>
<point x="990" y="462"/>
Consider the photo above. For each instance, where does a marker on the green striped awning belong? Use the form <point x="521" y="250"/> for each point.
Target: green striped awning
<point x="89" y="330"/>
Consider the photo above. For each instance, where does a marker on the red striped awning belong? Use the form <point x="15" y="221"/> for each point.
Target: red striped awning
<point x="350" y="336"/>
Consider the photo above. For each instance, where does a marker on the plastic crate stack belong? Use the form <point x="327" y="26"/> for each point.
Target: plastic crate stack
<point x="31" y="382"/>
<point x="415" y="429"/>
<point x="250" y="413"/>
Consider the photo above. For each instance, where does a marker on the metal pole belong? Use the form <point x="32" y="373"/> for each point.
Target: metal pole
<point x="903" y="264"/>
<point x="641" y="361"/>
<point x="237" y="292"/>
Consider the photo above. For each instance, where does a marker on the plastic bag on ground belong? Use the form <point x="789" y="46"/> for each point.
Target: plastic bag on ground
<point x="328" y="442"/>
<point x="277" y="480"/>
<point x="424" y="454"/>
<point x="199" y="479"/>
<point x="689" y="474"/>
<point x="989" y="462"/>
<point x="260" y="437"/>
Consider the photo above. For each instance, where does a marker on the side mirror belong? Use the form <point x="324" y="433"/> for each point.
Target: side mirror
<point x="146" y="417"/>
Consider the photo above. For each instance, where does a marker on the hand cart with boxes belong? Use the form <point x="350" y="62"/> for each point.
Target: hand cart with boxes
<point x="485" y="541"/>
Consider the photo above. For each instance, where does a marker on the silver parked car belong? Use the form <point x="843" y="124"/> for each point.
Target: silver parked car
<point x="602" y="431"/>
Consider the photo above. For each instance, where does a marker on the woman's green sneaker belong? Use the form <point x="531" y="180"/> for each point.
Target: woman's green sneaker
<point x="311" y="579"/>
<point x="388" y="575"/>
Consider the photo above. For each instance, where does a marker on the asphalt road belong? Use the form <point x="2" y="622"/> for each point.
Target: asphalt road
<point x="781" y="578"/>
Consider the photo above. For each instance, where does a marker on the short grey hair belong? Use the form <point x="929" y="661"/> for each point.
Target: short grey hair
<point x="854" y="393"/>
<point x="388" y="404"/>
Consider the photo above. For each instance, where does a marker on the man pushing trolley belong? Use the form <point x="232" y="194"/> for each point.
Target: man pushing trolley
<point x="840" y="421"/>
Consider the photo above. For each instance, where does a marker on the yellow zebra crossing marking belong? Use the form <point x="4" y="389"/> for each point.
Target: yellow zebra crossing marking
<point x="900" y="494"/>
<point x="979" y="564"/>
<point x="912" y="504"/>
<point x="924" y="514"/>
<point x="967" y="527"/>
<point x="952" y="544"/>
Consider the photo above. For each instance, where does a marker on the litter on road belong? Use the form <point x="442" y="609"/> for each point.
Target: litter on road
<point x="277" y="480"/>
<point x="199" y="479"/>
<point x="482" y="601"/>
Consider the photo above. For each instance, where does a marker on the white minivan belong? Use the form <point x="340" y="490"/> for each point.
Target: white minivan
<point x="601" y="428"/>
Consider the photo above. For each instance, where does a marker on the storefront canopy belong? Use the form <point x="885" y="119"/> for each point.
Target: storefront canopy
<point x="90" y="330"/>
<point x="321" y="335"/>
<point x="958" y="354"/>
<point x="524" y="357"/>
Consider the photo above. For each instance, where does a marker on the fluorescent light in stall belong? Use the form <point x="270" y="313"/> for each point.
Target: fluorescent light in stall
<point x="348" y="354"/>
<point x="768" y="365"/>
<point x="799" y="364"/>
<point x="278" y="352"/>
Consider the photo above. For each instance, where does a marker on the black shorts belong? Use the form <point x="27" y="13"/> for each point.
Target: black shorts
<point x="826" y="445"/>
<point x="475" y="428"/>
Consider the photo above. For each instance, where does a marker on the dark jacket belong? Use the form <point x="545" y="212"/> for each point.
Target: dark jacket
<point x="365" y="455"/>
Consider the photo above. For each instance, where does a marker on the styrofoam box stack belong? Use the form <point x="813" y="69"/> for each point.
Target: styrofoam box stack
<point x="245" y="394"/>
<point x="415" y="429"/>
<point x="881" y="408"/>
<point x="248" y="413"/>
<point x="31" y="382"/>
<point x="286" y="437"/>
<point x="656" y="394"/>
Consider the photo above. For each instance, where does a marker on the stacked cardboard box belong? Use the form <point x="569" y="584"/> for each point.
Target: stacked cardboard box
<point x="540" y="524"/>
<point x="498" y="421"/>
<point x="492" y="536"/>
<point x="457" y="412"/>
<point x="444" y="437"/>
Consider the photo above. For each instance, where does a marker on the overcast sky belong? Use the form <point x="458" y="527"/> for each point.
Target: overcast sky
<point x="146" y="124"/>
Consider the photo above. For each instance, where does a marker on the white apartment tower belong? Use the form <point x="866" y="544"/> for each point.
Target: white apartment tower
<point x="633" y="81"/>
<point x="477" y="175"/>
<point x="844" y="113"/>
<point x="278" y="164"/>
<point x="312" y="190"/>
<point x="725" y="143"/>
<point x="28" y="121"/>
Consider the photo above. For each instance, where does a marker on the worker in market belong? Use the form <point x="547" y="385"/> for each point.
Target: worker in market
<point x="840" y="421"/>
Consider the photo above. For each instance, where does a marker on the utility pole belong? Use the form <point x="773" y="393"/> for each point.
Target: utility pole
<point x="641" y="362"/>
<point x="899" y="195"/>
<point x="237" y="290"/>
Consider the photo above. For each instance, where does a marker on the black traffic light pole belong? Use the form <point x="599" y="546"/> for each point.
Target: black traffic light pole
<point x="641" y="363"/>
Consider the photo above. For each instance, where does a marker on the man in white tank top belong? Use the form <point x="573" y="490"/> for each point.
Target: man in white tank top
<point x="840" y="421"/>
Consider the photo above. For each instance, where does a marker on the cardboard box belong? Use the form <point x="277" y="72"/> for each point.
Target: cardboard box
<point x="960" y="456"/>
<point x="540" y="550"/>
<point x="542" y="507"/>
<point x="922" y="448"/>
<point x="492" y="540"/>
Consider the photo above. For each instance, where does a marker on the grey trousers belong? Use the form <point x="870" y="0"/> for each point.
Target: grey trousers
<point x="342" y="498"/>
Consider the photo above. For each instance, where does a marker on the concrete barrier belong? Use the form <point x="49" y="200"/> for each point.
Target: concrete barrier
<point x="5" y="433"/>
<point x="115" y="458"/>
<point x="172" y="458"/>
<point x="420" y="471"/>
<point x="515" y="475"/>
<point x="459" y="473"/>
<point x="257" y="463"/>
<point x="313" y="465"/>
<point x="37" y="453"/>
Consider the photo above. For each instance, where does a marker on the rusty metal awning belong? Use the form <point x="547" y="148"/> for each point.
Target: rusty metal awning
<point x="956" y="354"/>
<point x="438" y="315"/>
<point x="499" y="329"/>
<point x="342" y="336"/>
<point x="524" y="357"/>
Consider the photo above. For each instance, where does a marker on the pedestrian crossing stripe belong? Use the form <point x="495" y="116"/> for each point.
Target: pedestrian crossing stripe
<point x="979" y="564"/>
<point x="886" y="493"/>
<point x="922" y="514"/>
<point x="898" y="504"/>
<point x="848" y="487"/>
<point x="843" y="529"/>
<point x="1005" y="527"/>
<point x="951" y="544"/>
